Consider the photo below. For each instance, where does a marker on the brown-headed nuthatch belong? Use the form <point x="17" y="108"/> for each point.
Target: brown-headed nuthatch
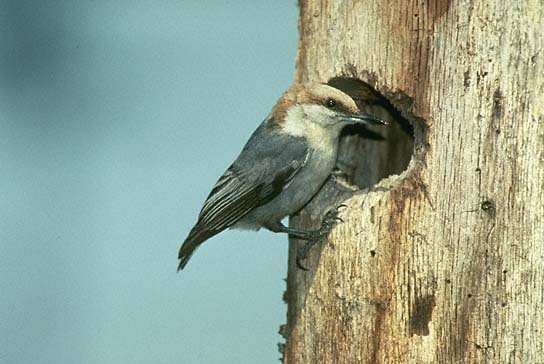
<point x="282" y="166"/>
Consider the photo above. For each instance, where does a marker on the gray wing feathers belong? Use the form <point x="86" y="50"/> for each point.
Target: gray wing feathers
<point x="264" y="168"/>
<point x="226" y="192"/>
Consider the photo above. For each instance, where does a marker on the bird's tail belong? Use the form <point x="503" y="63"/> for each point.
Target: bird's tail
<point x="196" y="237"/>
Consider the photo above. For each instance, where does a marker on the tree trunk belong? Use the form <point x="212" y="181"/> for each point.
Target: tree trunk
<point x="442" y="262"/>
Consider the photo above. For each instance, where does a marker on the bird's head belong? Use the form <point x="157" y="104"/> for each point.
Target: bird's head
<point x="313" y="105"/>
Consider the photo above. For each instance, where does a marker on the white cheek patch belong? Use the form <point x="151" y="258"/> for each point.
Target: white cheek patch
<point x="303" y="118"/>
<point x="296" y="122"/>
<point x="311" y="122"/>
<point x="319" y="114"/>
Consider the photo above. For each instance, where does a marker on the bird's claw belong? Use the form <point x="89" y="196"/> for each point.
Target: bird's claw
<point x="329" y="220"/>
<point x="299" y="262"/>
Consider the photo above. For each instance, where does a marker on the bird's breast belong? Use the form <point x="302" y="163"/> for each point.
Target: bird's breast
<point x="307" y="181"/>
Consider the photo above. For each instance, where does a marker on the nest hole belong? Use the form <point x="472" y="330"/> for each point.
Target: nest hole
<point x="368" y="155"/>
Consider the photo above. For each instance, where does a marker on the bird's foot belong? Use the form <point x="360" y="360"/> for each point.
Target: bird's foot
<point x="329" y="220"/>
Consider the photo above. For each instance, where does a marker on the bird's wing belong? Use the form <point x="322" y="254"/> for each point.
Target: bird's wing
<point x="236" y="194"/>
<point x="265" y="167"/>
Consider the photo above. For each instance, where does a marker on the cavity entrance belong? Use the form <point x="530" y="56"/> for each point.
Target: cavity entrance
<point x="368" y="155"/>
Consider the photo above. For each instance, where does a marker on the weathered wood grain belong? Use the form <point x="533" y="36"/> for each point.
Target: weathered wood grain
<point x="445" y="262"/>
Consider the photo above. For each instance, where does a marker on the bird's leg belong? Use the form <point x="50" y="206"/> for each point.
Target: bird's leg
<point x="278" y="227"/>
<point x="329" y="220"/>
<point x="312" y="237"/>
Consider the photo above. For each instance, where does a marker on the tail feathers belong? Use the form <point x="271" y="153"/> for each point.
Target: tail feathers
<point x="196" y="237"/>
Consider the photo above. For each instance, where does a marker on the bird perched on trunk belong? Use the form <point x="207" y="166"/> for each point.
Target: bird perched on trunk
<point x="283" y="165"/>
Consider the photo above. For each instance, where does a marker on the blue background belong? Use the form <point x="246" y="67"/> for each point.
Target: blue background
<point x="116" y="118"/>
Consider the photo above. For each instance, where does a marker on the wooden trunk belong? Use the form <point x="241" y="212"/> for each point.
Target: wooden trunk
<point x="443" y="261"/>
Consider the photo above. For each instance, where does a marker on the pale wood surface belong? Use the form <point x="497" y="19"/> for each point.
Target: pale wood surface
<point x="444" y="263"/>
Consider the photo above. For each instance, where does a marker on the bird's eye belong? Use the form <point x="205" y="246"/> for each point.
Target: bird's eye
<point x="330" y="103"/>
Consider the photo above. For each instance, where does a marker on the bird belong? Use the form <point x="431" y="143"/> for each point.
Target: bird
<point x="281" y="168"/>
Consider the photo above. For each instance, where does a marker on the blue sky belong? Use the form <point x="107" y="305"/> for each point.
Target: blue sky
<point x="116" y="118"/>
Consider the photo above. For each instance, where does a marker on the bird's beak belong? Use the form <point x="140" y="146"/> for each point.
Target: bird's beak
<point x="363" y="118"/>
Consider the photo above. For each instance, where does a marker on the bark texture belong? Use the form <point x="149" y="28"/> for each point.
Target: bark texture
<point x="444" y="262"/>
